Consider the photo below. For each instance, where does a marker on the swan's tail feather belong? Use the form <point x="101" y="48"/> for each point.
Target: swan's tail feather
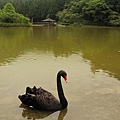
<point x="27" y="99"/>
<point x="31" y="90"/>
<point x="35" y="90"/>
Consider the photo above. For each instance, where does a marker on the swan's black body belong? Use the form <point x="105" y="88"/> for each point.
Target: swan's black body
<point x="41" y="99"/>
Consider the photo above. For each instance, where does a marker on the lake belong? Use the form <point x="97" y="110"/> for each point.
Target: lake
<point x="33" y="56"/>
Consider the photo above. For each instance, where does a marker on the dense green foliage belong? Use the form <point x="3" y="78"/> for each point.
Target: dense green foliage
<point x="94" y="12"/>
<point x="8" y="17"/>
<point x="97" y="12"/>
<point x="37" y="9"/>
<point x="114" y="5"/>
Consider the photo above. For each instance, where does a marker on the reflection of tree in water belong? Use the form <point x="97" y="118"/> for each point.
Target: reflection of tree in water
<point x="33" y="114"/>
<point x="99" y="45"/>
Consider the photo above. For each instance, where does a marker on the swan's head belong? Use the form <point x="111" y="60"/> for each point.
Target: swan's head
<point x="63" y="74"/>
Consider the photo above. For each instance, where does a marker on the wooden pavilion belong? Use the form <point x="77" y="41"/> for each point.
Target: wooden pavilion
<point x="49" y="21"/>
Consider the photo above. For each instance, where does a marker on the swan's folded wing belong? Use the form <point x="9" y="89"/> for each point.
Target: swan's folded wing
<point x="46" y="101"/>
<point x="42" y="100"/>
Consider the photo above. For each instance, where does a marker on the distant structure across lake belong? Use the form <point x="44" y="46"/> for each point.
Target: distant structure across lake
<point x="46" y="22"/>
<point x="49" y="21"/>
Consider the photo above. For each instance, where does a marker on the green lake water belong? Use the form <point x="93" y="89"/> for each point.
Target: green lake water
<point x="33" y="56"/>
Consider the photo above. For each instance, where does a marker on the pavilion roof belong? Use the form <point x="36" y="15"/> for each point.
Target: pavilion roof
<point x="48" y="20"/>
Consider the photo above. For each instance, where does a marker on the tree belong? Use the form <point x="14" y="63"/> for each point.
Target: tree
<point x="8" y="8"/>
<point x="114" y="5"/>
<point x="37" y="9"/>
<point x="95" y="12"/>
<point x="8" y="15"/>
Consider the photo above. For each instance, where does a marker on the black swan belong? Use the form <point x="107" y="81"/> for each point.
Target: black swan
<point x="41" y="99"/>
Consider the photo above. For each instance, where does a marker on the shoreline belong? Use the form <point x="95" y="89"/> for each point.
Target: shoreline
<point x="57" y="25"/>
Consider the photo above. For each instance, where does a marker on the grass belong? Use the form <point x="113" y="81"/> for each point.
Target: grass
<point x="14" y="25"/>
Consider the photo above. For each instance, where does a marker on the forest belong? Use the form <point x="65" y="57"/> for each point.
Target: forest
<point x="76" y="12"/>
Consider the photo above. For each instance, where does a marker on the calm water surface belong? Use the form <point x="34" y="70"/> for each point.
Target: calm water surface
<point x="33" y="56"/>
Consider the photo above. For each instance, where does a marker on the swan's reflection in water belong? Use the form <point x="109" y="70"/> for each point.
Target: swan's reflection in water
<point x="62" y="114"/>
<point x="33" y="114"/>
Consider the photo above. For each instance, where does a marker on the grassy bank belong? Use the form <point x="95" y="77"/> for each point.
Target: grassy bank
<point x="14" y="25"/>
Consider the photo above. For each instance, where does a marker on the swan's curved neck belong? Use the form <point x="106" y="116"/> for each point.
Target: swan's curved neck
<point x="62" y="98"/>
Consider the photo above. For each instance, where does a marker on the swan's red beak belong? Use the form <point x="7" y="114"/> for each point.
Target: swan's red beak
<point x="65" y="78"/>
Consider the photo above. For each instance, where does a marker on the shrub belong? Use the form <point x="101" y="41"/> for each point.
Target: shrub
<point x="8" y="17"/>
